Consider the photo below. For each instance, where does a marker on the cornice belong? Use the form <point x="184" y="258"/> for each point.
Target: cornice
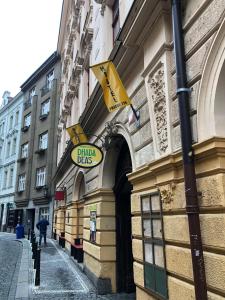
<point x="40" y="71"/>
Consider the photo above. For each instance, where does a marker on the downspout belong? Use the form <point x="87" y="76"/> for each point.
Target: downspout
<point x="192" y="208"/>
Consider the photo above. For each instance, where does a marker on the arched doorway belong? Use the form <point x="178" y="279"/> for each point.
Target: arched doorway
<point x="122" y="190"/>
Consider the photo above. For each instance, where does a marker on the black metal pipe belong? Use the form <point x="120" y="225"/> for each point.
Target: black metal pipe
<point x="191" y="195"/>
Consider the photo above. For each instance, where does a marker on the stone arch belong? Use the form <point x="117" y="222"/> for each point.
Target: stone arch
<point x="108" y="168"/>
<point x="79" y="186"/>
<point x="211" y="107"/>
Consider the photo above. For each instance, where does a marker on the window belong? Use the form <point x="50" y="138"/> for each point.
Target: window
<point x="11" y="177"/>
<point x="153" y="245"/>
<point x="11" y="122"/>
<point x="50" y="78"/>
<point x="21" y="182"/>
<point x="44" y="211"/>
<point x="43" y="140"/>
<point x="116" y="20"/>
<point x="2" y="127"/>
<point x="31" y="95"/>
<point x="14" y="146"/>
<point x="27" y="120"/>
<point x="40" y="176"/>
<point x="45" y="107"/>
<point x="17" y="118"/>
<point x="0" y="152"/>
<point x="5" y="179"/>
<point x="8" y="148"/>
<point x="24" y="150"/>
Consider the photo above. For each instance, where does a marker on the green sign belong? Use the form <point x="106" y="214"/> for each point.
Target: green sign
<point x="86" y="155"/>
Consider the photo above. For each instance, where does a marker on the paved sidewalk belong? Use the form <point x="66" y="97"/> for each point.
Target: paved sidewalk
<point x="10" y="258"/>
<point x="60" y="277"/>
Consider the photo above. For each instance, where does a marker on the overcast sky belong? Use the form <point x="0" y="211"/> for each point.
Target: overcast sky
<point x="28" y="34"/>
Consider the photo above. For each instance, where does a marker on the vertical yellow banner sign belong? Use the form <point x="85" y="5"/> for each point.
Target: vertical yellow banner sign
<point x="115" y="95"/>
<point x="77" y="134"/>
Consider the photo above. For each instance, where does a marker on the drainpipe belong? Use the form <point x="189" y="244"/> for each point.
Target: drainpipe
<point x="191" y="194"/>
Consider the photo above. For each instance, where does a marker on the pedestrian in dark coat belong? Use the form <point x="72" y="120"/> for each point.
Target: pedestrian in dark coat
<point x="42" y="227"/>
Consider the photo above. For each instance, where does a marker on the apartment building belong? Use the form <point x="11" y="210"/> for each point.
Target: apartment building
<point x="38" y="143"/>
<point x="10" y="124"/>
<point x="136" y="196"/>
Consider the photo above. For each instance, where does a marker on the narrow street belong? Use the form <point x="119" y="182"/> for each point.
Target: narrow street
<point x="61" y="278"/>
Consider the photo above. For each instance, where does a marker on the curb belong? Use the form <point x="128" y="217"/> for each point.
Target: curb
<point x="25" y="272"/>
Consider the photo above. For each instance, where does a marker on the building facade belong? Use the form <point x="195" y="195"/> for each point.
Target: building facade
<point x="38" y="144"/>
<point x="135" y="198"/>
<point x="10" y="124"/>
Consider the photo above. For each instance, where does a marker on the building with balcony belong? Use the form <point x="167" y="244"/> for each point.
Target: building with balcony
<point x="129" y="214"/>
<point x="38" y="143"/>
<point x="10" y="124"/>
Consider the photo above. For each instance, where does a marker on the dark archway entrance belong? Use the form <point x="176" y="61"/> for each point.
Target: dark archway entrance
<point x="122" y="190"/>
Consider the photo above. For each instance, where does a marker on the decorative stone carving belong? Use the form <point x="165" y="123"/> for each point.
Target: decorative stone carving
<point x="157" y="85"/>
<point x="59" y="132"/>
<point x="86" y="39"/>
<point x="103" y="6"/>
<point x="66" y="63"/>
<point x="167" y="193"/>
<point x="111" y="132"/>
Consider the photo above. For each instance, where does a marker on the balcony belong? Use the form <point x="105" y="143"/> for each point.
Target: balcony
<point x="21" y="159"/>
<point x="40" y="151"/>
<point x="19" y="192"/>
<point x="39" y="187"/>
<point x="25" y="128"/>
<point x="43" y="117"/>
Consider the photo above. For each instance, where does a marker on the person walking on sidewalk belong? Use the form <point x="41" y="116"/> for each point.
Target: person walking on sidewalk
<point x="42" y="227"/>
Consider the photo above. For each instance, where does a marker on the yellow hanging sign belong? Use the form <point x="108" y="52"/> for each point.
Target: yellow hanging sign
<point x="115" y="95"/>
<point x="77" y="134"/>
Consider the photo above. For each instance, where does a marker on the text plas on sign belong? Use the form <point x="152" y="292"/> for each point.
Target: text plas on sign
<point x="86" y="155"/>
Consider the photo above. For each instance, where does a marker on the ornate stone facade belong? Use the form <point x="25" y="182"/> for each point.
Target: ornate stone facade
<point x="157" y="84"/>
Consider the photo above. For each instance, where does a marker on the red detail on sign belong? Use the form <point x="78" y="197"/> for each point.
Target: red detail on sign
<point x="59" y="195"/>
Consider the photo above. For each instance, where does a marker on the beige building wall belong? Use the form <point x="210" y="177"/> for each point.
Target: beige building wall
<point x="145" y="61"/>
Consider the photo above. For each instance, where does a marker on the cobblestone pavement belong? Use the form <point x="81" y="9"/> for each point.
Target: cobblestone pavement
<point x="62" y="280"/>
<point x="10" y="255"/>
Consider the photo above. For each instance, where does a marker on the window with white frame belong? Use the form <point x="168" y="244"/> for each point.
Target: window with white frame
<point x="44" y="211"/>
<point x="5" y="179"/>
<point x="11" y="122"/>
<point x="21" y="182"/>
<point x="50" y="78"/>
<point x="8" y="148"/>
<point x="14" y="146"/>
<point x="2" y="127"/>
<point x="24" y="150"/>
<point x="45" y="107"/>
<point x="17" y="118"/>
<point x="31" y="94"/>
<point x="27" y="120"/>
<point x="11" y="177"/>
<point x="43" y="140"/>
<point x="40" y="176"/>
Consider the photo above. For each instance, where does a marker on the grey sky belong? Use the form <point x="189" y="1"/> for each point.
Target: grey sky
<point x="28" y="34"/>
